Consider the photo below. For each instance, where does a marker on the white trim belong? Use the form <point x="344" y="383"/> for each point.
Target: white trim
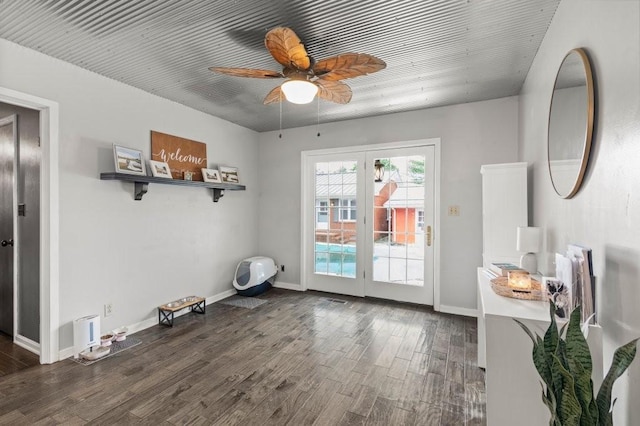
<point x="288" y="286"/>
<point x="49" y="218"/>
<point x="143" y="325"/>
<point x="26" y="343"/>
<point x="304" y="182"/>
<point x="466" y="312"/>
<point x="217" y="297"/>
<point x="65" y="353"/>
<point x="153" y="321"/>
<point x="372" y="147"/>
<point x="436" y="225"/>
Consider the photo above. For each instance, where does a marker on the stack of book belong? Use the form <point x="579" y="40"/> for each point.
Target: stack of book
<point x="502" y="269"/>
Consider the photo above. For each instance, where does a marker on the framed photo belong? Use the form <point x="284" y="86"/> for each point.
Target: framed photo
<point x="211" y="175"/>
<point x="229" y="174"/>
<point x="128" y="160"/>
<point x="160" y="169"/>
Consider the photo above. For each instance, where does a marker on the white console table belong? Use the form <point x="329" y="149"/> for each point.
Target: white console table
<point x="504" y="350"/>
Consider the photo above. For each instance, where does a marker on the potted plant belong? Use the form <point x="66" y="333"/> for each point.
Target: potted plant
<point x="563" y="361"/>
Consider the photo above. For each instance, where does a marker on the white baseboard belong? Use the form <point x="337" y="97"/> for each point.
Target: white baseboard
<point x="65" y="353"/>
<point x="142" y="325"/>
<point x="465" y="312"/>
<point x="150" y="322"/>
<point x="217" y="297"/>
<point x="27" y="344"/>
<point x="287" y="286"/>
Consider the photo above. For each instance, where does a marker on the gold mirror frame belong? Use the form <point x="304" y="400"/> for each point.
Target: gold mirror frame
<point x="584" y="140"/>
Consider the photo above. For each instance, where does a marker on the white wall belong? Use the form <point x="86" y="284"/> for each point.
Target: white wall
<point x="135" y="254"/>
<point x="471" y="135"/>
<point x="605" y="214"/>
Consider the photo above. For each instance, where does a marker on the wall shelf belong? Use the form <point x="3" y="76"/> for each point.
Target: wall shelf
<point x="141" y="184"/>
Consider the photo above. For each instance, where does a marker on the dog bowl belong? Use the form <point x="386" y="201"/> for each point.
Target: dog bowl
<point x="106" y="339"/>
<point x="120" y="333"/>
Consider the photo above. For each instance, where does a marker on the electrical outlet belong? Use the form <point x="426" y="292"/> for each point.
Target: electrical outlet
<point x="454" y="210"/>
<point x="282" y="268"/>
<point x="108" y="309"/>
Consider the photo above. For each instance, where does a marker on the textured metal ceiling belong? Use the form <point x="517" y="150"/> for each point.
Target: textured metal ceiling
<point x="438" y="52"/>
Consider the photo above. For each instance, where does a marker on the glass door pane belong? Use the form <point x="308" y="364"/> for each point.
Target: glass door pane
<point x="398" y="226"/>
<point x="336" y="214"/>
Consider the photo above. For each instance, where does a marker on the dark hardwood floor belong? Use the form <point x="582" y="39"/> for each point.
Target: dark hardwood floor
<point x="298" y="359"/>
<point x="13" y="358"/>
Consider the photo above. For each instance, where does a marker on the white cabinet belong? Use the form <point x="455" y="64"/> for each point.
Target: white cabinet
<point x="512" y="383"/>
<point x="504" y="208"/>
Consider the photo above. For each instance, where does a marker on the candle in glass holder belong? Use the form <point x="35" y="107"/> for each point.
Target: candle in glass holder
<point x="519" y="281"/>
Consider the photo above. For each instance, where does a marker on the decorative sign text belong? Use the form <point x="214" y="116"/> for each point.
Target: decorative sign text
<point x="182" y="155"/>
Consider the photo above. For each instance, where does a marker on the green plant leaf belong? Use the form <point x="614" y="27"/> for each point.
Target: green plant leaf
<point x="563" y="328"/>
<point x="526" y="329"/>
<point x="583" y="388"/>
<point x="622" y="358"/>
<point x="555" y="373"/>
<point x="551" y="336"/>
<point x="593" y="407"/>
<point x="569" y="409"/>
<point x="542" y="363"/>
<point x="549" y="400"/>
<point x="564" y="363"/>
<point x="540" y="357"/>
<point x="576" y="345"/>
<point x="561" y="353"/>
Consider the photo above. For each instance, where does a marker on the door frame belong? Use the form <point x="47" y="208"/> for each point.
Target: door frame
<point x="305" y="200"/>
<point x="49" y="220"/>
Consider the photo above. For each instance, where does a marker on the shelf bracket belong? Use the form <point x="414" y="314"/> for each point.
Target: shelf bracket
<point x="217" y="194"/>
<point x="140" y="189"/>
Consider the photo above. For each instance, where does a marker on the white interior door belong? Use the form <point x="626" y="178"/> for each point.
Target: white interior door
<point x="400" y="225"/>
<point x="362" y="237"/>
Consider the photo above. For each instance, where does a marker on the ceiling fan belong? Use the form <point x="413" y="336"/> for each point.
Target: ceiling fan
<point x="305" y="76"/>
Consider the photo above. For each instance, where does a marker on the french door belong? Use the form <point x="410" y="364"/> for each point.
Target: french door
<point x="369" y="231"/>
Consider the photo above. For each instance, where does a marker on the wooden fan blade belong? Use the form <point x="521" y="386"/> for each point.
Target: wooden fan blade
<point x="286" y="48"/>
<point x="347" y="65"/>
<point x="247" y="72"/>
<point x="334" y="91"/>
<point x="274" y="96"/>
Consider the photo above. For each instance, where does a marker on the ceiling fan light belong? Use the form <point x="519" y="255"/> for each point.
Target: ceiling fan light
<point x="299" y="91"/>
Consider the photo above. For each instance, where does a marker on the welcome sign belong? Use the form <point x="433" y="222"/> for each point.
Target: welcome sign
<point x="182" y="155"/>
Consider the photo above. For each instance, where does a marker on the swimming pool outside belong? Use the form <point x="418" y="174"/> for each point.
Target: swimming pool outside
<point x="335" y="259"/>
<point x="395" y="264"/>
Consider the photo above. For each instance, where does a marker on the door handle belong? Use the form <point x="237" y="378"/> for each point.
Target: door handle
<point x="5" y="243"/>
<point x="429" y="235"/>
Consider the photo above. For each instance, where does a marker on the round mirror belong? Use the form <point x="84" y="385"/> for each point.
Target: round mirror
<point x="570" y="123"/>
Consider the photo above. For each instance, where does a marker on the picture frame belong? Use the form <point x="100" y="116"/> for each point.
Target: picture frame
<point x="229" y="174"/>
<point x="160" y="169"/>
<point x="211" y="175"/>
<point x="129" y="160"/>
